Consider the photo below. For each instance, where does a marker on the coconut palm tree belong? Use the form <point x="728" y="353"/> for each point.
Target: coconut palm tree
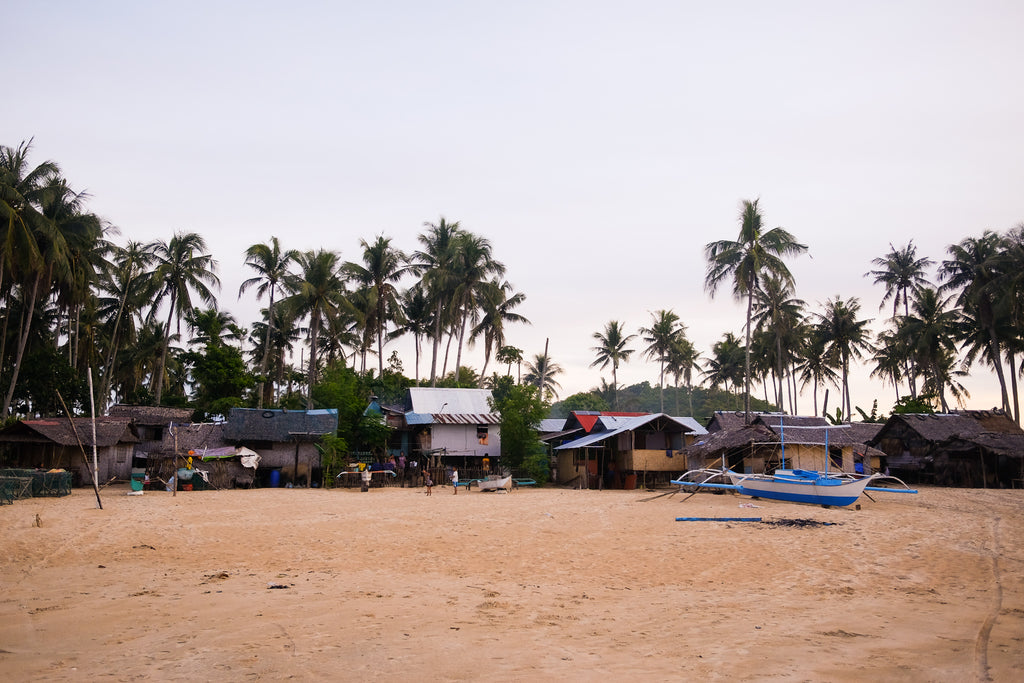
<point x="474" y="266"/>
<point x="890" y="358"/>
<point x="507" y="355"/>
<point x="61" y="223"/>
<point x="746" y="261"/>
<point x="612" y="349"/>
<point x="779" y="315"/>
<point x="683" y="359"/>
<point x="725" y="365"/>
<point x="416" y="320"/>
<point x="846" y="338"/>
<point x="129" y="291"/>
<point x="272" y="266"/>
<point x="382" y="267"/>
<point x="21" y="187"/>
<point x="182" y="269"/>
<point x="497" y="308"/>
<point x="664" y="331"/>
<point x="814" y="367"/>
<point x="972" y="272"/>
<point x="436" y="264"/>
<point x="317" y="292"/>
<point x="901" y="272"/>
<point x="929" y="332"/>
<point x="540" y="372"/>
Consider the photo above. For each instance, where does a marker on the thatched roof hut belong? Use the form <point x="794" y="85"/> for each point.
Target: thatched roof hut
<point x="982" y="448"/>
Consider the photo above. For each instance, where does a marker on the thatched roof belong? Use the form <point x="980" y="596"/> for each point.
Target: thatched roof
<point x="250" y="424"/>
<point x="966" y="425"/>
<point x="151" y="416"/>
<point x="62" y="431"/>
<point x="728" y="439"/>
<point x="727" y="419"/>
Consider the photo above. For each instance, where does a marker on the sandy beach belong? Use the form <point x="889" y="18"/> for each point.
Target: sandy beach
<point x="539" y="584"/>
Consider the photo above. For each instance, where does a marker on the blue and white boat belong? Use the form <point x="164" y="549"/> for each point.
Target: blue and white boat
<point x="795" y="486"/>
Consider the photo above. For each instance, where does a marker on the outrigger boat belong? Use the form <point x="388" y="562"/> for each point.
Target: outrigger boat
<point x="493" y="483"/>
<point x="795" y="486"/>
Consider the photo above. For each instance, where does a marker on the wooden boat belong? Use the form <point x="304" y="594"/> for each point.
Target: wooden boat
<point x="794" y="486"/>
<point x="493" y="483"/>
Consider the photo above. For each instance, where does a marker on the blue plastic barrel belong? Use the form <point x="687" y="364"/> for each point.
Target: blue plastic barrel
<point x="275" y="478"/>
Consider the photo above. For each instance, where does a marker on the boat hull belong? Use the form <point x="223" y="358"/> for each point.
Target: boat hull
<point x="495" y="484"/>
<point x="800" y="488"/>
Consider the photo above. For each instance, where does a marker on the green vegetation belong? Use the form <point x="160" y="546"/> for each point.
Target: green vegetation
<point x="145" y="320"/>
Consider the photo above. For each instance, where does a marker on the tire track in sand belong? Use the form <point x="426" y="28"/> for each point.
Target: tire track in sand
<point x="981" y="642"/>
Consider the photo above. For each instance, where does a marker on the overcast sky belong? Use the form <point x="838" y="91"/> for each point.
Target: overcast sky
<point x="598" y="145"/>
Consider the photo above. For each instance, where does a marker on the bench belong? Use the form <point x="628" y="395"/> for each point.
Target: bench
<point x="523" y="482"/>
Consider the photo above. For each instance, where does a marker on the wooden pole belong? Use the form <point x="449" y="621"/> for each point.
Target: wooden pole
<point x="95" y="460"/>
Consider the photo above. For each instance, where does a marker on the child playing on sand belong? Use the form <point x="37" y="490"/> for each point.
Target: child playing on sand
<point x="427" y="481"/>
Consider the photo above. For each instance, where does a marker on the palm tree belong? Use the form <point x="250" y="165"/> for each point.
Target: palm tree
<point x="972" y="272"/>
<point x="416" y="319"/>
<point x="317" y="293"/>
<point x="682" y="361"/>
<point x="497" y="310"/>
<point x="129" y="291"/>
<point x="901" y="272"/>
<point x="435" y="263"/>
<point x="20" y="193"/>
<point x="507" y="355"/>
<point x="663" y="333"/>
<point x="211" y="327"/>
<point x="845" y="338"/>
<point x="182" y="268"/>
<point x="60" y="224"/>
<point x="382" y="267"/>
<point x="779" y="315"/>
<point x="612" y="349"/>
<point x="541" y="373"/>
<point x="814" y="367"/>
<point x="890" y="358"/>
<point x="928" y="332"/>
<point x="271" y="265"/>
<point x="725" y="366"/>
<point x="746" y="261"/>
<point x="474" y="264"/>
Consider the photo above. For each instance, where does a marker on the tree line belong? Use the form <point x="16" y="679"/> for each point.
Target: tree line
<point x="73" y="299"/>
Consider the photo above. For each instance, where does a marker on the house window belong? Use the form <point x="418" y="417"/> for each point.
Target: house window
<point x="121" y="453"/>
<point x="481" y="435"/>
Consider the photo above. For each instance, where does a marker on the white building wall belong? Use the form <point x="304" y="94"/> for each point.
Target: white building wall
<point x="463" y="440"/>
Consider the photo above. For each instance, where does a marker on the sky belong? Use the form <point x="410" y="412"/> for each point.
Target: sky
<point x="598" y="145"/>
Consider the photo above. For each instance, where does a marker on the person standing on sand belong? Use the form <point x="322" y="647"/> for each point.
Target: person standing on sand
<point x="455" y="481"/>
<point x="427" y="481"/>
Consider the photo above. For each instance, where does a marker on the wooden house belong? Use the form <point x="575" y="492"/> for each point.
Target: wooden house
<point x="457" y="426"/>
<point x="773" y="441"/>
<point x="618" y="449"/>
<point x="974" y="448"/>
<point x="67" y="443"/>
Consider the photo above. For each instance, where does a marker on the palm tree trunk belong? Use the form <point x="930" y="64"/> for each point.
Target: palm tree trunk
<point x="1012" y="360"/>
<point x="437" y="340"/>
<point x="22" y="342"/>
<point x="615" y="385"/>
<point x="746" y="364"/>
<point x="997" y="363"/>
<point x="163" y="356"/>
<point x="314" y="333"/>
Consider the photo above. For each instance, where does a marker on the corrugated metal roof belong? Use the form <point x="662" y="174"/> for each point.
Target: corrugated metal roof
<point x="618" y="425"/>
<point x="449" y="401"/>
<point x="449" y="419"/>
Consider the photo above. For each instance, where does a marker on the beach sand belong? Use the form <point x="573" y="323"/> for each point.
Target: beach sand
<point x="539" y="584"/>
